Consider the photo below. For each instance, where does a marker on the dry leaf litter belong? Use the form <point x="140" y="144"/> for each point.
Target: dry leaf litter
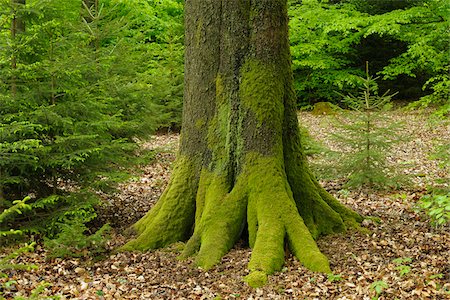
<point x="357" y="259"/>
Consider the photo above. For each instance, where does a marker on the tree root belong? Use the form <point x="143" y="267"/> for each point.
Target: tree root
<point x="171" y="219"/>
<point x="218" y="210"/>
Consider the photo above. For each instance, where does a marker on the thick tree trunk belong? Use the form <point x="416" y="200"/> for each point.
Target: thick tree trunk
<point x="241" y="163"/>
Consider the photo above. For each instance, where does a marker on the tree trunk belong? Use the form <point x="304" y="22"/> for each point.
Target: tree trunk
<point x="17" y="27"/>
<point x="240" y="163"/>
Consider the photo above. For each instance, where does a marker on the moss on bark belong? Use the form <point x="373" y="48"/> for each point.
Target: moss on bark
<point x="241" y="160"/>
<point x="171" y="219"/>
<point x="273" y="213"/>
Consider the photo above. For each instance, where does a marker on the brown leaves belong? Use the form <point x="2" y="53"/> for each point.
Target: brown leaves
<point x="360" y="260"/>
<point x="137" y="196"/>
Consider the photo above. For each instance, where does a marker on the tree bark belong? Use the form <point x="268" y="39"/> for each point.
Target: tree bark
<point x="17" y="27"/>
<point x="240" y="167"/>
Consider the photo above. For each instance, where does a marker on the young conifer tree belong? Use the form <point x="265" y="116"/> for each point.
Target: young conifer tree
<point x="76" y="108"/>
<point x="369" y="136"/>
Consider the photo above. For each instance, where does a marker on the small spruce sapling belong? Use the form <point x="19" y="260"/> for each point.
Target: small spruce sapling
<point x="73" y="241"/>
<point x="368" y="137"/>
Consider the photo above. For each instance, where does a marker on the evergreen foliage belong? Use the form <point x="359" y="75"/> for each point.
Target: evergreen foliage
<point x="74" y="97"/>
<point x="368" y="137"/>
<point x="73" y="242"/>
<point x="406" y="41"/>
<point x="6" y="260"/>
<point x="18" y="207"/>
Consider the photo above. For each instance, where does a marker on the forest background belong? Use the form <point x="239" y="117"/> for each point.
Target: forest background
<point x="81" y="85"/>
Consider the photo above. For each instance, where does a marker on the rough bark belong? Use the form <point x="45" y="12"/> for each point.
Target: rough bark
<point x="240" y="167"/>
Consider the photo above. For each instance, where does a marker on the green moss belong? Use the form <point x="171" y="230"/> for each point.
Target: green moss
<point x="303" y="246"/>
<point x="262" y="92"/>
<point x="173" y="216"/>
<point x="222" y="219"/>
<point x="191" y="247"/>
<point x="263" y="194"/>
<point x="219" y="129"/>
<point x="204" y="183"/>
<point x="276" y="216"/>
<point x="220" y="90"/>
<point x="321" y="212"/>
<point x="252" y="223"/>
<point x="200" y="123"/>
<point x="350" y="217"/>
<point x="324" y="108"/>
<point x="198" y="32"/>
<point x="256" y="279"/>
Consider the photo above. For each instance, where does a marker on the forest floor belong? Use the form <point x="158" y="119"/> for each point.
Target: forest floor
<point x="403" y="257"/>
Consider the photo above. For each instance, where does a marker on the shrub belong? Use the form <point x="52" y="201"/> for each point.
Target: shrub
<point x="73" y="242"/>
<point x="437" y="207"/>
<point x="367" y="138"/>
<point x="436" y="203"/>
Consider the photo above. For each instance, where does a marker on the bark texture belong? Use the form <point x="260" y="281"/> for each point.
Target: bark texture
<point x="17" y="27"/>
<point x="240" y="167"/>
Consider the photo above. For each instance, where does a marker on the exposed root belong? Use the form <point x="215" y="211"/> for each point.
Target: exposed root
<point x="351" y="218"/>
<point x="263" y="197"/>
<point x="256" y="279"/>
<point x="277" y="220"/>
<point x="220" y="222"/>
<point x="171" y="220"/>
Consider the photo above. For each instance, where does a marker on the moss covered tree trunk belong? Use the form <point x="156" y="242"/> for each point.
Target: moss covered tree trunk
<point x="240" y="167"/>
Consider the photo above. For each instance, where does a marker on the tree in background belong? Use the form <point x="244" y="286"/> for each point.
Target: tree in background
<point x="17" y="27"/>
<point x="241" y="169"/>
<point x="405" y="41"/>
<point x="368" y="136"/>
